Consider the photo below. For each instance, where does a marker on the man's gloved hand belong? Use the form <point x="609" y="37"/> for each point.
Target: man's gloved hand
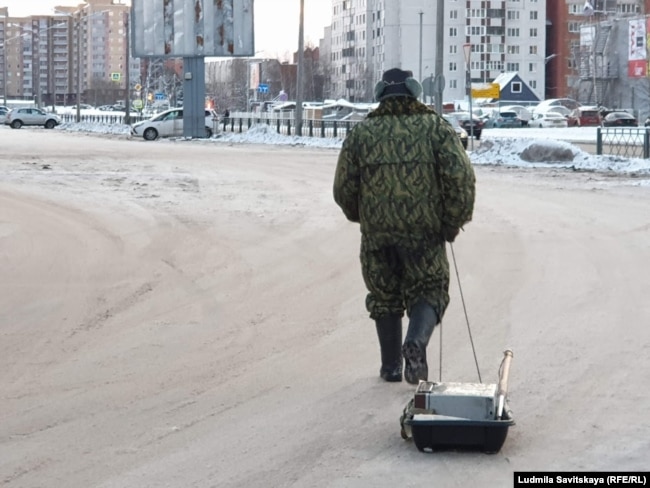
<point x="449" y="233"/>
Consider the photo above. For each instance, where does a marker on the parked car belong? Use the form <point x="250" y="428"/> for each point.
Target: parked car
<point x="18" y="117"/>
<point x="522" y="112"/>
<point x="548" y="119"/>
<point x="583" y="117"/>
<point x="462" y="133"/>
<point x="170" y="124"/>
<point x="504" y="119"/>
<point x="620" y="119"/>
<point x="466" y="123"/>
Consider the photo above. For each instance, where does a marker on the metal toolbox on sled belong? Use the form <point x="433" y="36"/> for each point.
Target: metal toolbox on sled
<point x="461" y="416"/>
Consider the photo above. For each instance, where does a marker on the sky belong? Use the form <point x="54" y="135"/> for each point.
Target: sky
<point x="276" y="21"/>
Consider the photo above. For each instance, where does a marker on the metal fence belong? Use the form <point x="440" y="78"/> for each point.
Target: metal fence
<point x="627" y="142"/>
<point x="108" y="119"/>
<point x="285" y="125"/>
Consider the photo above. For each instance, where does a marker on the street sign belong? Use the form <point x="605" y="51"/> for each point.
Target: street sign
<point x="486" y="90"/>
<point x="262" y="88"/>
<point x="159" y="96"/>
<point x="116" y="76"/>
<point x="137" y="87"/>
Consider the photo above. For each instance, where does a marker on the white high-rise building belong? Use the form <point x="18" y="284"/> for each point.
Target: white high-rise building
<point x="370" y="36"/>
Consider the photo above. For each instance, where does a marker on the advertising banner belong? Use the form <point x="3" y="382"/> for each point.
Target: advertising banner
<point x="637" y="64"/>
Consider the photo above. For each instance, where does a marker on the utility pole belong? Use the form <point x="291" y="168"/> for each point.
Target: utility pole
<point x="421" y="13"/>
<point x="78" y="115"/>
<point x="439" y="84"/>
<point x="300" y="70"/>
<point x="127" y="80"/>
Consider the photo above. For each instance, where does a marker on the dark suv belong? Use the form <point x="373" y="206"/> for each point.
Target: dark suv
<point x="465" y="122"/>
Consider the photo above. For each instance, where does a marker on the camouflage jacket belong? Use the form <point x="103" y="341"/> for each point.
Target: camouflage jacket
<point x="402" y="173"/>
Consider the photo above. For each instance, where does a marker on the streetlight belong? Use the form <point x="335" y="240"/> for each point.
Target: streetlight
<point x="467" y="50"/>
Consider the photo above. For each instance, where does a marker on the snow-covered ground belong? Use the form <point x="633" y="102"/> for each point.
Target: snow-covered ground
<point x="526" y="147"/>
<point x="190" y="314"/>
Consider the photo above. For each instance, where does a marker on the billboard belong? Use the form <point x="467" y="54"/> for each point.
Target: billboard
<point x="192" y="28"/>
<point x="637" y="64"/>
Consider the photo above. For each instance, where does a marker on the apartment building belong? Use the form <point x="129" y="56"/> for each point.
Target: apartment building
<point x="79" y="49"/>
<point x="586" y="51"/>
<point x="370" y="36"/>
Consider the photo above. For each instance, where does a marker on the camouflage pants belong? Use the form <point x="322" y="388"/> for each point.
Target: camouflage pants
<point x="399" y="275"/>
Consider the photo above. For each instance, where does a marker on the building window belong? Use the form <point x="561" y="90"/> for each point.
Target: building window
<point x="494" y="30"/>
<point x="516" y="87"/>
<point x="453" y="14"/>
<point x="453" y="67"/>
<point x="512" y="32"/>
<point x="513" y="14"/>
<point x="513" y="49"/>
<point x="533" y="32"/>
<point x="453" y="32"/>
<point x="532" y="50"/>
<point x="495" y="13"/>
<point x="494" y="66"/>
<point x="475" y="30"/>
<point x="475" y="13"/>
<point x="533" y="15"/>
<point x="627" y="8"/>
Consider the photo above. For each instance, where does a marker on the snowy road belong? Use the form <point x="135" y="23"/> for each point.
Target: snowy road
<point x="185" y="314"/>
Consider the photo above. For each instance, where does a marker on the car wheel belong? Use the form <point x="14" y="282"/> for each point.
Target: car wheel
<point x="50" y="124"/>
<point x="16" y="124"/>
<point x="150" y="134"/>
<point x="208" y="132"/>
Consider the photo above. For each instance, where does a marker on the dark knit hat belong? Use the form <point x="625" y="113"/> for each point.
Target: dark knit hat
<point x="397" y="83"/>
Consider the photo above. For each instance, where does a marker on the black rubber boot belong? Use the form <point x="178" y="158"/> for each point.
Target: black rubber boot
<point x="389" y="331"/>
<point x="422" y="320"/>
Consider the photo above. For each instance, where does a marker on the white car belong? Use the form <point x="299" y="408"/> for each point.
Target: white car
<point x="548" y="119"/>
<point x="18" y="117"/>
<point x="170" y="124"/>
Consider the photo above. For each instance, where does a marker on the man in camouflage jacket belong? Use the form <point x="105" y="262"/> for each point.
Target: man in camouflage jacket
<point x="405" y="177"/>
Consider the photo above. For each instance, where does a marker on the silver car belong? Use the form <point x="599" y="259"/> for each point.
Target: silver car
<point x="18" y="117"/>
<point x="170" y="124"/>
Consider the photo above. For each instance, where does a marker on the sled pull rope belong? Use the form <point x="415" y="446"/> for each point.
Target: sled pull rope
<point x="462" y="299"/>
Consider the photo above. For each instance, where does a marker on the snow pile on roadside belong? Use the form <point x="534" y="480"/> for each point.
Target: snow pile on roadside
<point x="532" y="149"/>
<point x="267" y="134"/>
<point x="95" y="128"/>
<point x="537" y="153"/>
